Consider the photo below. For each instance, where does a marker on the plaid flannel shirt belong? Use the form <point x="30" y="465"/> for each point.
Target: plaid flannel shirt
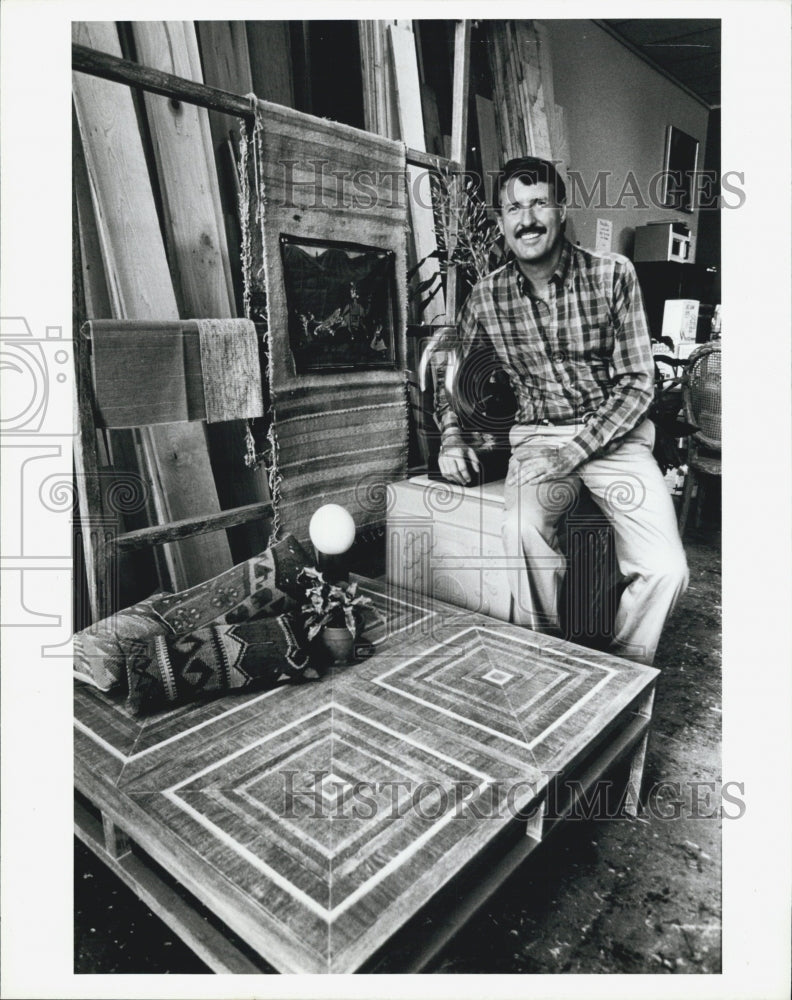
<point x="584" y="353"/>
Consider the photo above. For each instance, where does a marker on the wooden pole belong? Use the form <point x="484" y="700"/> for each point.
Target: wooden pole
<point x="94" y="63"/>
<point x="112" y="67"/>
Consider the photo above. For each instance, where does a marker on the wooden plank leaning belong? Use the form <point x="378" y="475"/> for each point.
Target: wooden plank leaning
<point x="141" y="287"/>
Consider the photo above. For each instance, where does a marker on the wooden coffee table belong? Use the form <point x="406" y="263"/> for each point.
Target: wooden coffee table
<point x="356" y="822"/>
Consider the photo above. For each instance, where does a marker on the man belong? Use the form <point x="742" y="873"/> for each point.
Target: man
<point x="568" y="326"/>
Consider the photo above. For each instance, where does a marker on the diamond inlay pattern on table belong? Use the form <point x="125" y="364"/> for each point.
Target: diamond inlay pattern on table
<point x="485" y="679"/>
<point x="330" y="845"/>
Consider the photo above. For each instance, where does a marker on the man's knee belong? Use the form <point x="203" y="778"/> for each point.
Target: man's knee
<point x="669" y="568"/>
<point x="520" y="529"/>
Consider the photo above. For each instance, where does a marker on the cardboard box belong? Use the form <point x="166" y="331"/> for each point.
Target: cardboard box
<point x="680" y="318"/>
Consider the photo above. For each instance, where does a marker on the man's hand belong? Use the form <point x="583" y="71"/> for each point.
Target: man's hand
<point x="542" y="469"/>
<point x="456" y="462"/>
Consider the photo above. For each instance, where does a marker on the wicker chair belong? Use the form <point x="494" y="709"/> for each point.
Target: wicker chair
<point x="701" y="392"/>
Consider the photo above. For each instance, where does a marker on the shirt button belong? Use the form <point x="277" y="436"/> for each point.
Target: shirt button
<point x="559" y="356"/>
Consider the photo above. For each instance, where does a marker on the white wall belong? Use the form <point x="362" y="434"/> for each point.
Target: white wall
<point x="616" y="110"/>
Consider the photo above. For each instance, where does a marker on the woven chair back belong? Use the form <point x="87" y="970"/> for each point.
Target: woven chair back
<point x="701" y="385"/>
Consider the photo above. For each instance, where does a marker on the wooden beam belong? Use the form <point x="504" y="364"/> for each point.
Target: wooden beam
<point x="116" y="842"/>
<point x="430" y="161"/>
<point x="109" y="66"/>
<point x="269" y="54"/>
<point x="408" y="91"/>
<point x="377" y="72"/>
<point x="159" y="534"/>
<point x="489" y="147"/>
<point x="189" y="187"/>
<point x="459" y="101"/>
<point x="226" y="63"/>
<point x="459" y="128"/>
<point x="86" y="461"/>
<point x="214" y="132"/>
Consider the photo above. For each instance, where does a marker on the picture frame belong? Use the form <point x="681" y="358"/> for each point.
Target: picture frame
<point x="340" y="299"/>
<point x="680" y="164"/>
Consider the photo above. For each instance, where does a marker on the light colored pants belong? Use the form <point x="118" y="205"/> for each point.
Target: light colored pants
<point x="627" y="485"/>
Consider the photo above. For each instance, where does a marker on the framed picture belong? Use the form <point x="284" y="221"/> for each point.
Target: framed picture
<point x="340" y="299"/>
<point x="681" y="163"/>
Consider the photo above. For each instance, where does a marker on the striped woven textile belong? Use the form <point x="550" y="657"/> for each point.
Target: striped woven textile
<point x="339" y="445"/>
<point x="337" y="437"/>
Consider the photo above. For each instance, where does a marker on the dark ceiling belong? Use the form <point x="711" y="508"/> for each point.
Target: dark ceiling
<point x="687" y="50"/>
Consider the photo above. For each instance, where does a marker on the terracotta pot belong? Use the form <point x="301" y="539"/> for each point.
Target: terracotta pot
<point x="339" y="643"/>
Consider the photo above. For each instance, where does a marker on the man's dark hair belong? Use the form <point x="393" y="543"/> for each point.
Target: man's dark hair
<point x="531" y="170"/>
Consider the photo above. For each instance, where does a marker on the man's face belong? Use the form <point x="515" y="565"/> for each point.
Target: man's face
<point x="530" y="220"/>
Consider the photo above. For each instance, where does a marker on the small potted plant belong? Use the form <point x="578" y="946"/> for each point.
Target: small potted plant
<point x="333" y="613"/>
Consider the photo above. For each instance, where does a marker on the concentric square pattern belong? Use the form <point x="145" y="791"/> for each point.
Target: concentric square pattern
<point x="340" y="790"/>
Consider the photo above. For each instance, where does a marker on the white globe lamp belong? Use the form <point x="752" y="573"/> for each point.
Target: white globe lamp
<point x="332" y="532"/>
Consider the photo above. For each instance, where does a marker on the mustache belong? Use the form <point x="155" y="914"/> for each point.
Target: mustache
<point x="523" y="230"/>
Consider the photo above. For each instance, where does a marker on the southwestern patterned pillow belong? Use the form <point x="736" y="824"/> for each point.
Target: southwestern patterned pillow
<point x="100" y="650"/>
<point x="169" y="670"/>
<point x="265" y="584"/>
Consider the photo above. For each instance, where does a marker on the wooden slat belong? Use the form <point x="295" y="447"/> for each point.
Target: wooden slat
<point x="97" y="301"/>
<point x="186" y="528"/>
<point x="132" y="246"/>
<point x="210" y="150"/>
<point x="196" y="242"/>
<point x="496" y="70"/>
<point x="269" y="54"/>
<point x="459" y="101"/>
<point x="226" y="64"/>
<point x="379" y="106"/>
<point x="408" y="92"/>
<point x="434" y="137"/>
<point x="489" y="146"/>
<point x="86" y="461"/>
<point x="226" y="61"/>
<point x="459" y="127"/>
<point x="116" y="842"/>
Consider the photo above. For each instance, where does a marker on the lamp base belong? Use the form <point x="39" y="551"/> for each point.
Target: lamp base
<point x="334" y="569"/>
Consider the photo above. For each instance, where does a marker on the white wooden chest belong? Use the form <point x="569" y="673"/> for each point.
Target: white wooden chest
<point x="445" y="541"/>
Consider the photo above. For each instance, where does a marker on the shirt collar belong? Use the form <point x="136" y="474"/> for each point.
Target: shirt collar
<point x="562" y="272"/>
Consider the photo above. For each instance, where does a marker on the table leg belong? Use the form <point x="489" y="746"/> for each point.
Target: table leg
<point x="632" y="798"/>
<point x="116" y="841"/>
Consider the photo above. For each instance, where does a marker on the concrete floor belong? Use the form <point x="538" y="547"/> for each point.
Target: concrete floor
<point x="602" y="895"/>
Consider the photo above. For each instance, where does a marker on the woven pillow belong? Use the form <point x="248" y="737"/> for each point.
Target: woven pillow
<point x="265" y="584"/>
<point x="100" y="650"/>
<point x="169" y="670"/>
